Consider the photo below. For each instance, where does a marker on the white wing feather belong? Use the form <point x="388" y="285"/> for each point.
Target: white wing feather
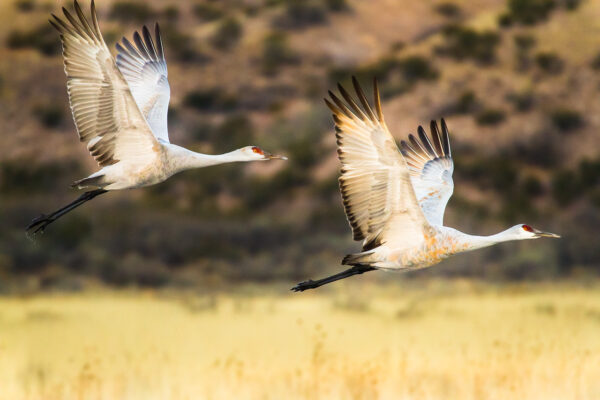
<point x="375" y="183"/>
<point x="145" y="69"/>
<point x="431" y="168"/>
<point x="105" y="113"/>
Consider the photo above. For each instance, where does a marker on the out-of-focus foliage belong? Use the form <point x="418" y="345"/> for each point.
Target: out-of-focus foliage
<point x="519" y="101"/>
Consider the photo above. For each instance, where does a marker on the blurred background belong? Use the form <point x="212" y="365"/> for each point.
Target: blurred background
<point x="518" y="82"/>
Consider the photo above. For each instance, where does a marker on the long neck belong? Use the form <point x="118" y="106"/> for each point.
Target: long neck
<point x="473" y="242"/>
<point x="182" y="159"/>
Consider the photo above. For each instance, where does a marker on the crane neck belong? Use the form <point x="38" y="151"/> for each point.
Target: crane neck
<point x="473" y="242"/>
<point x="182" y="159"/>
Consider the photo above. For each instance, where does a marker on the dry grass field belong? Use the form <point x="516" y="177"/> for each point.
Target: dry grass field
<point x="434" y="341"/>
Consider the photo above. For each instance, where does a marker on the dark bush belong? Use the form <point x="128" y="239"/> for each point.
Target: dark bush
<point x="589" y="172"/>
<point x="25" y="177"/>
<point x="300" y="14"/>
<point x="565" y="187"/>
<point x="566" y="120"/>
<point x="210" y="99"/>
<point x="549" y="62"/>
<point x="522" y="101"/>
<point x="532" y="186"/>
<point x="207" y="11"/>
<point x="448" y="10"/>
<point x="490" y="116"/>
<point x="466" y="43"/>
<point x="50" y="114"/>
<point x="43" y="39"/>
<point x="180" y="45"/>
<point x="130" y="11"/>
<point x="337" y="5"/>
<point x="542" y="149"/>
<point x="524" y="41"/>
<point x="228" y="34"/>
<point x="25" y="5"/>
<point x="414" y="68"/>
<point x="235" y="132"/>
<point x="529" y="12"/>
<point x="171" y="13"/>
<point x="276" y="53"/>
<point x="595" y="64"/>
<point x="505" y="20"/>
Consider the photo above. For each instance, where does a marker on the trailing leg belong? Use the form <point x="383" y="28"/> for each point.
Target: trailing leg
<point x="310" y="284"/>
<point x="40" y="223"/>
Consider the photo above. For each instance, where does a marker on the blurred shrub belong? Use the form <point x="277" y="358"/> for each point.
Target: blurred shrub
<point x="414" y="68"/>
<point x="400" y="74"/>
<point x="25" y="5"/>
<point x="180" y="45"/>
<point x="228" y="34"/>
<point x="43" y="39"/>
<point x="299" y="14"/>
<point x="549" y="62"/>
<point x="337" y="5"/>
<point x="568" y="185"/>
<point x="131" y="11"/>
<point x="49" y="114"/>
<point x="466" y="103"/>
<point x="522" y="101"/>
<point x="543" y="149"/>
<point x="565" y="187"/>
<point x="448" y="9"/>
<point x="566" y="120"/>
<point x="490" y="116"/>
<point x="589" y="173"/>
<point x="528" y="12"/>
<point x="24" y="177"/>
<point x="524" y="42"/>
<point x="235" y="132"/>
<point x="595" y="64"/>
<point x="532" y="186"/>
<point x="209" y="99"/>
<point x="171" y="13"/>
<point x="276" y="53"/>
<point x="207" y="11"/>
<point x="466" y="43"/>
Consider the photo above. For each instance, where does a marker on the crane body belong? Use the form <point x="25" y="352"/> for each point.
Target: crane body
<point x="120" y="111"/>
<point x="395" y="198"/>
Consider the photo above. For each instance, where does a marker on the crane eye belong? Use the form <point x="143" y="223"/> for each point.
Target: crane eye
<point x="257" y="150"/>
<point x="527" y="228"/>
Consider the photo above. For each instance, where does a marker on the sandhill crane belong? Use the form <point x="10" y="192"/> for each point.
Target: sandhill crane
<point x="120" y="111"/>
<point x="395" y="200"/>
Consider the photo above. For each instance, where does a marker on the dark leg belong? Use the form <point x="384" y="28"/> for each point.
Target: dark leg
<point x="40" y="223"/>
<point x="310" y="284"/>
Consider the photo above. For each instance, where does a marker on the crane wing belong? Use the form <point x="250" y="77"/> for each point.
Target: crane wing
<point x="105" y="113"/>
<point x="145" y="70"/>
<point x="375" y="182"/>
<point x="430" y="166"/>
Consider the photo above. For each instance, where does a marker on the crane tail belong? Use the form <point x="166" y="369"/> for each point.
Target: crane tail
<point x="364" y="258"/>
<point x="90" y="182"/>
<point x="39" y="224"/>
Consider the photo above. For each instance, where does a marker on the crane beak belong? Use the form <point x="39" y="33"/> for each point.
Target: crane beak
<point x="269" y="156"/>
<point x="545" y="234"/>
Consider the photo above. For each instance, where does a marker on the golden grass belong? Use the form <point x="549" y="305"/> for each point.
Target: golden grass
<point x="407" y="343"/>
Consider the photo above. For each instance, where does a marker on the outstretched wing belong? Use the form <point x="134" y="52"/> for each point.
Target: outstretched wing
<point x="145" y="69"/>
<point x="105" y="113"/>
<point x="431" y="168"/>
<point x="375" y="182"/>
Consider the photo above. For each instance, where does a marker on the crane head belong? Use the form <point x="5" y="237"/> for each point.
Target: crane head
<point x="524" y="231"/>
<point x="256" y="153"/>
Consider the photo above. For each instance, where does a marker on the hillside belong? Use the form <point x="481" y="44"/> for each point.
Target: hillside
<point x="518" y="82"/>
